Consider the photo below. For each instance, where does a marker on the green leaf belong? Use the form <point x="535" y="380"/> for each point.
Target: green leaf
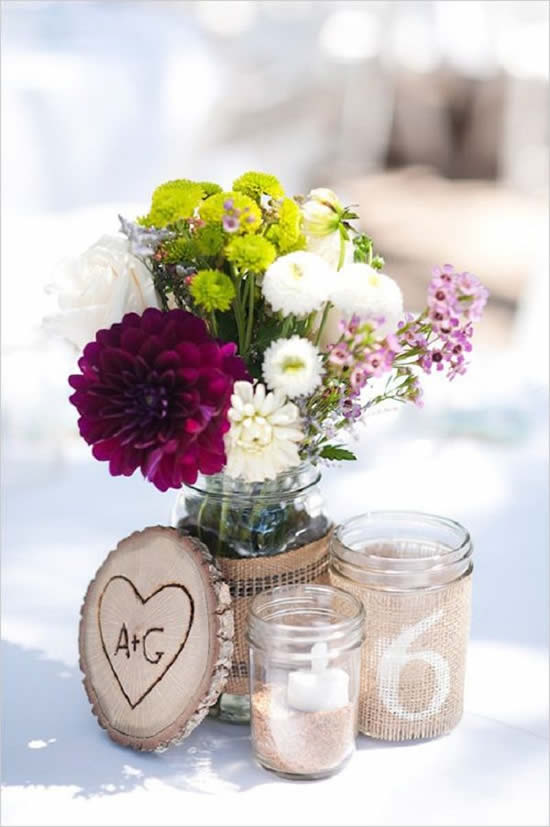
<point x="336" y="453"/>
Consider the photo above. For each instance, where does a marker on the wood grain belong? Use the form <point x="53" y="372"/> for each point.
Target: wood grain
<point x="156" y="638"/>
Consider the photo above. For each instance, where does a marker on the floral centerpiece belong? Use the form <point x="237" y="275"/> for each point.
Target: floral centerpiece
<point x="233" y="339"/>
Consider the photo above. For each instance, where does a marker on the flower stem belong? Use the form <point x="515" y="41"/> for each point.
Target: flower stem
<point x="222" y="525"/>
<point x="250" y="320"/>
<point x="238" y="311"/>
<point x="324" y="317"/>
<point x="308" y="323"/>
<point x="342" y="255"/>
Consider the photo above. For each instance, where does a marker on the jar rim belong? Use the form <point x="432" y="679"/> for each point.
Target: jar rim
<point x="356" y="549"/>
<point x="220" y="486"/>
<point x="346" y="632"/>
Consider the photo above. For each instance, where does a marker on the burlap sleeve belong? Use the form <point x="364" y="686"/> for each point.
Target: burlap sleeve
<point x="249" y="576"/>
<point x="413" y="658"/>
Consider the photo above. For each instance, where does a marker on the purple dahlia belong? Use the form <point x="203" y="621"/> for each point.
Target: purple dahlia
<point x="153" y="393"/>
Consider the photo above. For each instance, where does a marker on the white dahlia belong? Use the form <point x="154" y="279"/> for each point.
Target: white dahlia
<point x="265" y="433"/>
<point x="297" y="283"/>
<point x="292" y="366"/>
<point x="363" y="290"/>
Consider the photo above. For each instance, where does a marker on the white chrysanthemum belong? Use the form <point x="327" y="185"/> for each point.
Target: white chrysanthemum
<point x="362" y="290"/>
<point x="297" y="283"/>
<point x="265" y="433"/>
<point x="292" y="366"/>
<point x="328" y="248"/>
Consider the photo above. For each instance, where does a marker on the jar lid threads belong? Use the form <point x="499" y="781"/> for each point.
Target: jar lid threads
<point x="401" y="550"/>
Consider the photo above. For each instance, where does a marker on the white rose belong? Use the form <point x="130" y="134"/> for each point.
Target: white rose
<point x="96" y="289"/>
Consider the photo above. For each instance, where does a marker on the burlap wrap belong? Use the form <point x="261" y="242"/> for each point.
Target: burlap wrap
<point x="413" y="659"/>
<point x="249" y="576"/>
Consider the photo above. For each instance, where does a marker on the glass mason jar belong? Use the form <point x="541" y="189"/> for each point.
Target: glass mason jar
<point x="305" y="651"/>
<point x="236" y="519"/>
<point x="412" y="572"/>
<point x="243" y="521"/>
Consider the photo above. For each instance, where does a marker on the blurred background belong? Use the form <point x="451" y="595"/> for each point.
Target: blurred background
<point x="431" y="116"/>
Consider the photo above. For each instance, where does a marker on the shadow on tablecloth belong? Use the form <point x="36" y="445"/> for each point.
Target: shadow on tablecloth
<point x="51" y="738"/>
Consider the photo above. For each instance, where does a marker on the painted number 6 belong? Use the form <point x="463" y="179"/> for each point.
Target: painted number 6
<point x="395" y="656"/>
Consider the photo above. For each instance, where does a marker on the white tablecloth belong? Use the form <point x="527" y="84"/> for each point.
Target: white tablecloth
<point x="60" y="768"/>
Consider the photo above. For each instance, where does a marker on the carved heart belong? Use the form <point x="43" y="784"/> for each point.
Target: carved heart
<point x="142" y="637"/>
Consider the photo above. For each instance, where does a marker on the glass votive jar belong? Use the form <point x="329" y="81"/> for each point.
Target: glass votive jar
<point x="413" y="574"/>
<point x="305" y="651"/>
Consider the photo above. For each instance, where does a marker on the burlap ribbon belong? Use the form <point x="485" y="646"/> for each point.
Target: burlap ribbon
<point x="249" y="576"/>
<point x="413" y="659"/>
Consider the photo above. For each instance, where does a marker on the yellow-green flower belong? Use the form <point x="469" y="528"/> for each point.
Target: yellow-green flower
<point x="172" y="201"/>
<point x="209" y="188"/>
<point x="175" y="200"/>
<point x="212" y="290"/>
<point x="251" y="252"/>
<point x="178" y="250"/>
<point x="256" y="184"/>
<point x="209" y="240"/>
<point x="243" y="211"/>
<point x="206" y="242"/>
<point x="286" y="233"/>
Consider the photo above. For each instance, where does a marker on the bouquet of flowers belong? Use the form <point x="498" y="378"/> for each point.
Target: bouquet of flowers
<point x="230" y="341"/>
<point x="245" y="331"/>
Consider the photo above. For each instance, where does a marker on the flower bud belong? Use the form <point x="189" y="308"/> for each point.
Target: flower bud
<point x="321" y="212"/>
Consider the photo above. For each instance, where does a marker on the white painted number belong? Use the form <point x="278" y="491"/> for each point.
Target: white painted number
<point x="395" y="656"/>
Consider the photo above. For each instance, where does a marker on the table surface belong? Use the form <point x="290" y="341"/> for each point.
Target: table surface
<point x="62" y="519"/>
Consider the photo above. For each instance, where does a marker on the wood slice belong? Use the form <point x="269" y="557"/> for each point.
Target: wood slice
<point x="156" y="638"/>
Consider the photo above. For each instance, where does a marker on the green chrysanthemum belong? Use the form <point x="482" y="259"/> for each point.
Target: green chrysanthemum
<point x="205" y="243"/>
<point x="177" y="199"/>
<point x="172" y="201"/>
<point x="253" y="253"/>
<point x="256" y="184"/>
<point x="209" y="188"/>
<point x="209" y="240"/>
<point x="286" y="233"/>
<point x="212" y="290"/>
<point x="178" y="250"/>
<point x="213" y="210"/>
<point x="299" y="244"/>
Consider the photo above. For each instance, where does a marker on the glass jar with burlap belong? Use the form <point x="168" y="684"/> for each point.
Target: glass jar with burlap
<point x="262" y="535"/>
<point x="413" y="574"/>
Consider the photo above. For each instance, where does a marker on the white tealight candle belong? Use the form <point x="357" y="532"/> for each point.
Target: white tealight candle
<point x="320" y="688"/>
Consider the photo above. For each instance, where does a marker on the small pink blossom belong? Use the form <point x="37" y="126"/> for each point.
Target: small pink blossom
<point x="230" y="223"/>
<point x="340" y="355"/>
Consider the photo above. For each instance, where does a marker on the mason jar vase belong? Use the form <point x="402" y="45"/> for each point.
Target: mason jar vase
<point x="245" y="525"/>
